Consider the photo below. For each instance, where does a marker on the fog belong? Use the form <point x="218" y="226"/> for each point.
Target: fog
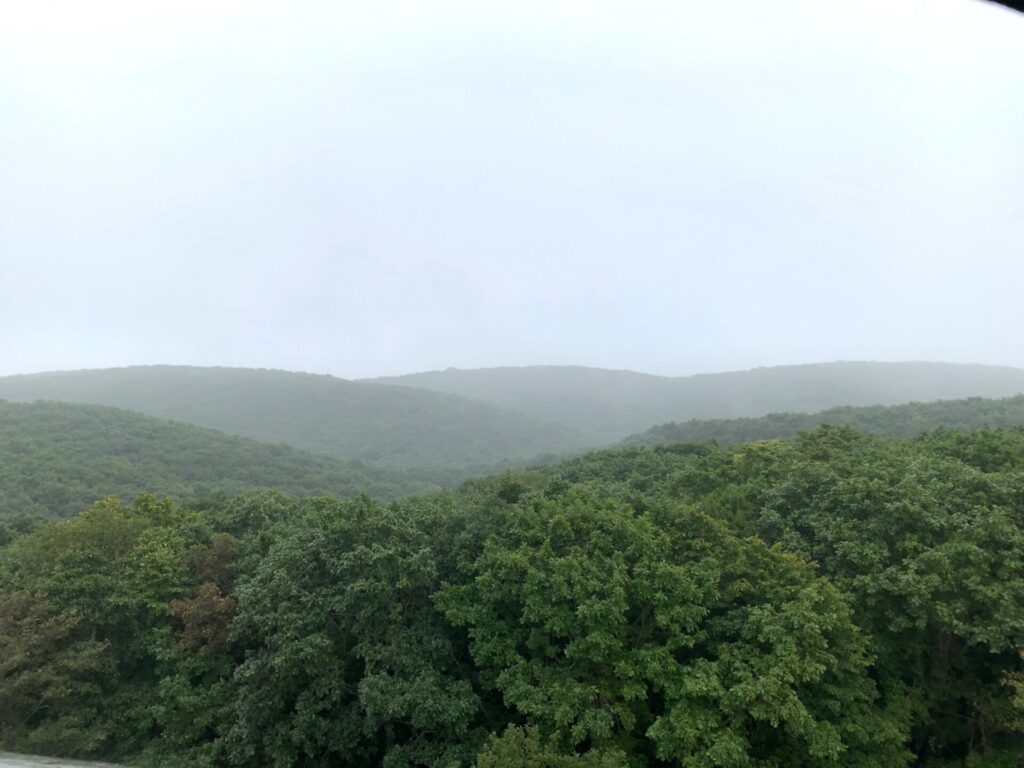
<point x="366" y="189"/>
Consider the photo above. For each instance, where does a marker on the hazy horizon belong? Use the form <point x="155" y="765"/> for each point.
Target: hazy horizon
<point x="500" y="367"/>
<point x="378" y="190"/>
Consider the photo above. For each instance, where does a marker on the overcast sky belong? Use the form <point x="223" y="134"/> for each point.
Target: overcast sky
<point x="380" y="187"/>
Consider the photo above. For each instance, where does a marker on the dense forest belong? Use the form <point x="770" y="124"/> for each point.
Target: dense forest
<point x="387" y="425"/>
<point x="906" y="420"/>
<point x="58" y="458"/>
<point x="837" y="599"/>
<point x="610" y="405"/>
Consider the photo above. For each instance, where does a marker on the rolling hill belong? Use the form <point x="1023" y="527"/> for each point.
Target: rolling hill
<point x="610" y="405"/>
<point x="394" y="426"/>
<point x="452" y="424"/>
<point x="57" y="458"/>
<point x="905" y="420"/>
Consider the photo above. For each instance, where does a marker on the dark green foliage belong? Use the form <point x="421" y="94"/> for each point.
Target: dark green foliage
<point x="924" y="536"/>
<point x="393" y="426"/>
<point x="510" y="490"/>
<point x="838" y="600"/>
<point x="49" y="673"/>
<point x="663" y="637"/>
<point x="349" y="661"/>
<point x="57" y="458"/>
<point x="525" y="748"/>
<point x="86" y="608"/>
<point x="932" y="552"/>
<point x="888" y="421"/>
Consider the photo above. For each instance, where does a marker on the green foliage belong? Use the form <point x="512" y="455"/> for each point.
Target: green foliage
<point x="923" y="536"/>
<point x="350" y="663"/>
<point x="932" y="553"/>
<point x="663" y="636"/>
<point x="524" y="748"/>
<point x="834" y="600"/>
<point x="50" y="674"/>
<point x="510" y="490"/>
<point x="89" y="597"/>
<point x="57" y="458"/>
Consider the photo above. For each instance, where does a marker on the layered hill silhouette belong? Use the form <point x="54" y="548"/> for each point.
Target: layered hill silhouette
<point x="57" y="458"/>
<point x="447" y="425"/>
<point x="395" y="426"/>
<point x="907" y="420"/>
<point x="610" y="405"/>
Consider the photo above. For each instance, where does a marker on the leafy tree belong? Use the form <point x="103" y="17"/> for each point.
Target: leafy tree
<point x="92" y="594"/>
<point x="51" y="679"/>
<point x="349" y="662"/>
<point x="933" y="558"/>
<point x="663" y="636"/>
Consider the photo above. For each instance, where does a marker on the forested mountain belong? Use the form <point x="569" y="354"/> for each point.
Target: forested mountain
<point x="528" y="411"/>
<point x="57" y="458"/>
<point x="834" y="601"/>
<point x="905" y="420"/>
<point x="610" y="405"/>
<point x="396" y="426"/>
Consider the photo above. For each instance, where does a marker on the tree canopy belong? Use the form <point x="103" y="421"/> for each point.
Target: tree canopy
<point x="834" y="600"/>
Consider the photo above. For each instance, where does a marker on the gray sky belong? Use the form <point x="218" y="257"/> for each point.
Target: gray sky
<point x="374" y="188"/>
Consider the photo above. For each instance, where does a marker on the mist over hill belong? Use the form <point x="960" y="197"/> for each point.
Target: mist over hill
<point x="610" y="405"/>
<point x="906" y="420"/>
<point x="57" y="458"/>
<point x="456" y="423"/>
<point x="396" y="426"/>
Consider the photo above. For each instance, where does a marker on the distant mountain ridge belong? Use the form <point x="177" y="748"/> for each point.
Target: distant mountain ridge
<point x="393" y="426"/>
<point x="907" y="420"/>
<point x="452" y="424"/>
<point x="610" y="405"/>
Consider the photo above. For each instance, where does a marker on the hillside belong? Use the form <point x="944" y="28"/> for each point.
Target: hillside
<point x="57" y="458"/>
<point x="610" y="405"/>
<point x="396" y="426"/>
<point x="888" y="421"/>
